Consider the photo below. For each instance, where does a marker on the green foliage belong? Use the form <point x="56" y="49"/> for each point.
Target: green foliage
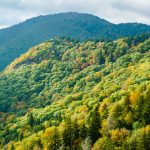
<point x="66" y="94"/>
<point x="17" y="39"/>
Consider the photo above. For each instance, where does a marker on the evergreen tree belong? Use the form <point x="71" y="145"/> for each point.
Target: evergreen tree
<point x="67" y="134"/>
<point x="95" y="125"/>
<point x="30" y="120"/>
<point x="20" y="136"/>
<point x="146" y="140"/>
<point x="83" y="132"/>
<point x="75" y="131"/>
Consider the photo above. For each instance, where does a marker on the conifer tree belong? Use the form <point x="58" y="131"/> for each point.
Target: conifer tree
<point x="95" y="125"/>
<point x="75" y="131"/>
<point x="30" y="120"/>
<point x="67" y="134"/>
<point x="83" y="132"/>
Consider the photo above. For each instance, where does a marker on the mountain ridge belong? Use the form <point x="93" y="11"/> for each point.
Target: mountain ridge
<point x="17" y="39"/>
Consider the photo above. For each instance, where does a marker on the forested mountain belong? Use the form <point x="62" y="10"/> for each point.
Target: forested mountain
<point x="65" y="94"/>
<point x="17" y="39"/>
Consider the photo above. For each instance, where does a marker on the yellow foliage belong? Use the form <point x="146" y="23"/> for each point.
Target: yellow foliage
<point x="46" y="124"/>
<point x="129" y="118"/>
<point x="134" y="97"/>
<point x="83" y="109"/>
<point x="96" y="89"/>
<point x="9" y="146"/>
<point x="117" y="109"/>
<point x="88" y="78"/>
<point x="104" y="105"/>
<point x="98" y="74"/>
<point x="104" y="130"/>
<point x="81" y="122"/>
<point x="19" y="148"/>
<point x="129" y="81"/>
<point x="147" y="129"/>
<point x="68" y="89"/>
<point x="119" y="135"/>
<point x="49" y="132"/>
<point x="61" y="127"/>
<point x="145" y="66"/>
<point x="47" y="136"/>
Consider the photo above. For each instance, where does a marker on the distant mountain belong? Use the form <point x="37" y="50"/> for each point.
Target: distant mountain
<point x="17" y="39"/>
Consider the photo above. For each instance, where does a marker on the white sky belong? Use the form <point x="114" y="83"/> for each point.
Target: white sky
<point x="116" y="11"/>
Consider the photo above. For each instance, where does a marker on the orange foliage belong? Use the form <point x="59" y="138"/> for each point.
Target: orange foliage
<point x="134" y="97"/>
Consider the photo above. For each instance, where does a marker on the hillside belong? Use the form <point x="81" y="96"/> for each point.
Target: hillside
<point x="17" y="39"/>
<point x="65" y="94"/>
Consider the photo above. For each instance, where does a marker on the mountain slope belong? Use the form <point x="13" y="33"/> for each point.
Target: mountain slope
<point x="83" y="94"/>
<point x="17" y="39"/>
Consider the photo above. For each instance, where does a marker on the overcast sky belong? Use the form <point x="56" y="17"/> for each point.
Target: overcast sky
<point x="117" y="11"/>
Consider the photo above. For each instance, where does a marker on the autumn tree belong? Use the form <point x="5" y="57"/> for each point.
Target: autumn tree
<point x="55" y="140"/>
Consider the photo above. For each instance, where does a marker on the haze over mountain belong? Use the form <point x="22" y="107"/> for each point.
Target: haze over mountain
<point x="17" y="39"/>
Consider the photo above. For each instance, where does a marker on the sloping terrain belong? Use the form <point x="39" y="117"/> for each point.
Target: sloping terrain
<point x="65" y="94"/>
<point x="17" y="39"/>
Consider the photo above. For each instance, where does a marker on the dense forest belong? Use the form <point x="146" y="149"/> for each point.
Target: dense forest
<point x="69" y="95"/>
<point x="17" y="39"/>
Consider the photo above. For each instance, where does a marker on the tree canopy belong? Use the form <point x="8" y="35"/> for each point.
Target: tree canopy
<point x="66" y="94"/>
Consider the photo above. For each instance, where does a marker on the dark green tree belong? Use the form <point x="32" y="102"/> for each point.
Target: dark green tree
<point x="31" y="120"/>
<point x="95" y="125"/>
<point x="67" y="134"/>
<point x="83" y="132"/>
